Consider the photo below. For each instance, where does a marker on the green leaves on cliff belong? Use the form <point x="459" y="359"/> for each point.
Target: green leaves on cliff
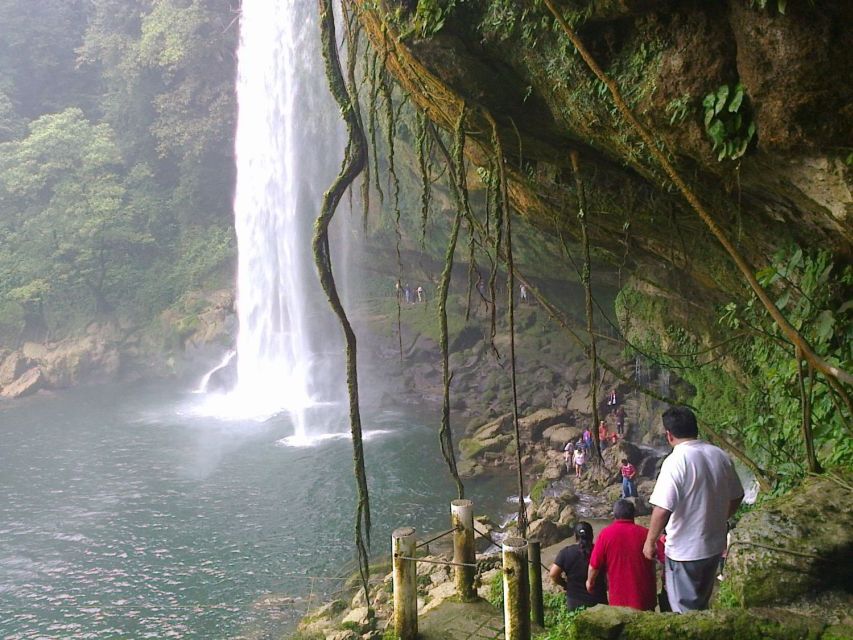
<point x="810" y="290"/>
<point x="728" y="121"/>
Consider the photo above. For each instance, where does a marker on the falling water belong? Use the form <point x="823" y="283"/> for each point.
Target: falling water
<point x="289" y="146"/>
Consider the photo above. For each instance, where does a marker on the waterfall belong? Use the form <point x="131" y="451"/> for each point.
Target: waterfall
<point x="289" y="146"/>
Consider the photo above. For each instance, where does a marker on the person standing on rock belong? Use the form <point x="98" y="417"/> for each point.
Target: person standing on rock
<point x="568" y="455"/>
<point x="629" y="475"/>
<point x="620" y="420"/>
<point x="696" y="492"/>
<point x="587" y="440"/>
<point x="602" y="434"/>
<point x="579" y="459"/>
<point x="569" y="571"/>
<point x="619" y="551"/>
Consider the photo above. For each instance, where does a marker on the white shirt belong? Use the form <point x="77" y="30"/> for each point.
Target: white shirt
<point x="697" y="483"/>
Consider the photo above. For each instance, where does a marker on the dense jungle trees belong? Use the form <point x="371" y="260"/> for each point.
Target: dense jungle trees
<point x="116" y="169"/>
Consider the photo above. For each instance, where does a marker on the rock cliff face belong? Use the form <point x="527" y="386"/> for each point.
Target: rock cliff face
<point x="509" y="61"/>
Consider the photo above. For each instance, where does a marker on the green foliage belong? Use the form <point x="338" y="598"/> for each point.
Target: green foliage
<point x="430" y="16"/>
<point x="763" y="4"/>
<point x="729" y="121"/>
<point x="810" y="291"/>
<point x="559" y="621"/>
<point x="116" y="167"/>
<point x="496" y="591"/>
<point x="725" y="598"/>
<point x="538" y="490"/>
<point x="748" y="386"/>
<point x="678" y="109"/>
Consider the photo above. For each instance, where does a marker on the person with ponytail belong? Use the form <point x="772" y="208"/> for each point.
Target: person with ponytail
<point x="569" y="571"/>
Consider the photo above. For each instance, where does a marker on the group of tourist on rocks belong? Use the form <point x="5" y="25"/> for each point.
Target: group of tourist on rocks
<point x="695" y="494"/>
<point x="409" y="295"/>
<point x="577" y="453"/>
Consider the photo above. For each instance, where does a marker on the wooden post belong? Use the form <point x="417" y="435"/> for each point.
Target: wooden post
<point x="537" y="604"/>
<point x="516" y="590"/>
<point x="405" y="583"/>
<point x="462" y="519"/>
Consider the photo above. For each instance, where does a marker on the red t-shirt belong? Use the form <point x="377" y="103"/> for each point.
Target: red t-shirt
<point x="630" y="577"/>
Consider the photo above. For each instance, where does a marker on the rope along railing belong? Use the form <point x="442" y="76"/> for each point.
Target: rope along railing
<point x="521" y="573"/>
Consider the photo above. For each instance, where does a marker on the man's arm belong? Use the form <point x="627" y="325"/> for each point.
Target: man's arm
<point x="733" y="506"/>
<point x="556" y="574"/>
<point x="660" y="517"/>
<point x="591" y="575"/>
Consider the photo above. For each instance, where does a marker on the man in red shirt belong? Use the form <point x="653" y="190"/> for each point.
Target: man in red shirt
<point x="629" y="476"/>
<point x="619" y="552"/>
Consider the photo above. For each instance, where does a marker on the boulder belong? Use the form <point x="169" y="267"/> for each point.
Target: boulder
<point x="360" y="619"/>
<point x="621" y="623"/>
<point x="13" y="366"/>
<point x="650" y="465"/>
<point x="580" y="400"/>
<point x="502" y="424"/>
<point x="799" y="543"/>
<point x="568" y="516"/>
<point x="342" y="634"/>
<point x="437" y="595"/>
<point x="475" y="446"/>
<point x="469" y="468"/>
<point x="547" y="532"/>
<point x="554" y="470"/>
<point x="645" y="488"/>
<point x="31" y="381"/>
<point x="534" y="425"/>
<point x="557" y="436"/>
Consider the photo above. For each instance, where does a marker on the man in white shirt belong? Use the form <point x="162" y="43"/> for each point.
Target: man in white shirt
<point x="696" y="492"/>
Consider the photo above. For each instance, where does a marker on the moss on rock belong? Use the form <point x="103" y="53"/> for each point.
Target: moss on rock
<point x="621" y="623"/>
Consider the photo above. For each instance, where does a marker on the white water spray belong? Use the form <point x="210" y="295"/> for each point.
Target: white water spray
<point x="289" y="146"/>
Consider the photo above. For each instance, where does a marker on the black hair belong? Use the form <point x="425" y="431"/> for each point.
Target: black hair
<point x="583" y="534"/>
<point x="680" y="422"/>
<point x="624" y="510"/>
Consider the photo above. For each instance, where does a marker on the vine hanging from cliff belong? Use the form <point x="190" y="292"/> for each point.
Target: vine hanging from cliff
<point x="659" y="152"/>
<point x="586" y="274"/>
<point x="456" y="176"/>
<point x="423" y="144"/>
<point x="354" y="161"/>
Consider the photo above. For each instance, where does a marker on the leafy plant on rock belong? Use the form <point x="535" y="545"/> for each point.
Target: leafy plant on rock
<point x="728" y="121"/>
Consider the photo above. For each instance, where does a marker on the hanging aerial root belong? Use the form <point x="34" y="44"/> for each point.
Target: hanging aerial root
<point x="456" y="175"/>
<point x="504" y="198"/>
<point x="586" y="277"/>
<point x="373" y="99"/>
<point x="422" y="142"/>
<point x="353" y="164"/>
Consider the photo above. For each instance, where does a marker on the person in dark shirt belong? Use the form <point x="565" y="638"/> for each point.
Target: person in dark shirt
<point x="569" y="571"/>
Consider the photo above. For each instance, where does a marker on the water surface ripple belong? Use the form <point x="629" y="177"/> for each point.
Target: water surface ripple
<point x="123" y="516"/>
